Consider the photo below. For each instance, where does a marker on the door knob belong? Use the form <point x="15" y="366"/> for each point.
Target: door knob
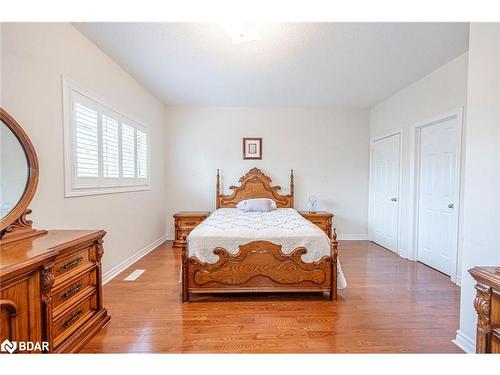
<point x="451" y="205"/>
<point x="394" y="199"/>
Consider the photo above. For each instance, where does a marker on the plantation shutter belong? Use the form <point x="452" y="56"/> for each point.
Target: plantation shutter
<point x="105" y="151"/>
<point x="86" y="136"/>
<point x="128" y="151"/>
<point x="142" y="154"/>
<point x="110" y="147"/>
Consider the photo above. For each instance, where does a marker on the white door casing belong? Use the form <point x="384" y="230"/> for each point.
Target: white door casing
<point x="437" y="215"/>
<point x="384" y="188"/>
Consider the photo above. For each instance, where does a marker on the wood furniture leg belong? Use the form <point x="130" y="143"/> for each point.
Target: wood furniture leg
<point x="184" y="276"/>
<point x="334" y="254"/>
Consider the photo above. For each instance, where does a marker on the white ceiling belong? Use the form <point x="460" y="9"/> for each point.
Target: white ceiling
<point x="294" y="65"/>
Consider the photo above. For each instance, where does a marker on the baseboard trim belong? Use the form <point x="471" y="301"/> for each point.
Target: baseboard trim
<point x="352" y="237"/>
<point x="464" y="342"/>
<point x="456" y="279"/>
<point x="108" y="276"/>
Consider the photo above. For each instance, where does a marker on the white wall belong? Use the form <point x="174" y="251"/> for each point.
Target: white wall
<point x="327" y="149"/>
<point x="481" y="229"/>
<point x="442" y="91"/>
<point x="34" y="56"/>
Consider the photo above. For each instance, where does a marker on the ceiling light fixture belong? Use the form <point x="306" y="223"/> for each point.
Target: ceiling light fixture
<point x="241" y="32"/>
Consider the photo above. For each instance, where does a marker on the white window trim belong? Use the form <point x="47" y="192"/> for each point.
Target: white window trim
<point x="70" y="188"/>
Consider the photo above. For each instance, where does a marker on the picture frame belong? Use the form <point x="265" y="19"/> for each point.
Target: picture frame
<point x="252" y="148"/>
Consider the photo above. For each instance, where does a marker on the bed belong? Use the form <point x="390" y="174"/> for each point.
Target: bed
<point x="254" y="252"/>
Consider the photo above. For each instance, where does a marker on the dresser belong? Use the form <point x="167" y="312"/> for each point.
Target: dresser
<point x="487" y="305"/>
<point x="185" y="222"/>
<point x="322" y="219"/>
<point x="51" y="290"/>
<point x="50" y="281"/>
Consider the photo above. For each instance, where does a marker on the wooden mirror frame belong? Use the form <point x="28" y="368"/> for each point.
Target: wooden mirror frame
<point x="14" y="225"/>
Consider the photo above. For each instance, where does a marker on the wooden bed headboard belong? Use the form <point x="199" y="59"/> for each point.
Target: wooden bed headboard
<point x="254" y="184"/>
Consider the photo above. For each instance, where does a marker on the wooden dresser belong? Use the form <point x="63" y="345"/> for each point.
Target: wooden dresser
<point x="185" y="222"/>
<point x="322" y="219"/>
<point x="51" y="289"/>
<point x="487" y="305"/>
<point x="50" y="282"/>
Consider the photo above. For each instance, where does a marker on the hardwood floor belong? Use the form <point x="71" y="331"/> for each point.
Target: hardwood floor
<point x="390" y="305"/>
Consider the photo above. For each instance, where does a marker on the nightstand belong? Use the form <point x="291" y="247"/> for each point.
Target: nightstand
<point x="185" y="222"/>
<point x="322" y="219"/>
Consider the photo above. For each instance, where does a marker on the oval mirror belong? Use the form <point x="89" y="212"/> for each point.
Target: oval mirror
<point x="14" y="170"/>
<point x="18" y="172"/>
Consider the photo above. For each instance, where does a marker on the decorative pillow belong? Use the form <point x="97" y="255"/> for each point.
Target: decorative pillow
<point x="257" y="205"/>
<point x="241" y="205"/>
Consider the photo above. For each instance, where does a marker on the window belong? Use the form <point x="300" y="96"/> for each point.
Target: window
<point x="105" y="151"/>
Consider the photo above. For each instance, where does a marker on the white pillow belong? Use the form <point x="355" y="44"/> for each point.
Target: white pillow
<point x="257" y="205"/>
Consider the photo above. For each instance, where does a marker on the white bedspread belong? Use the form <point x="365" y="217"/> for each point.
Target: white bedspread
<point x="230" y="227"/>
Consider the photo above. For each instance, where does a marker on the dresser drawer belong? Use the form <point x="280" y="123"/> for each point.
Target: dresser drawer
<point x="73" y="263"/>
<point x="189" y="222"/>
<point x="70" y="321"/>
<point x="73" y="289"/>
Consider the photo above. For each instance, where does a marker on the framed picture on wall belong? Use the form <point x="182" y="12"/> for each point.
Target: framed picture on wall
<point x="252" y="148"/>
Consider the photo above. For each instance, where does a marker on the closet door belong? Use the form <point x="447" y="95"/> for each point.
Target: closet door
<point x="384" y="200"/>
<point x="438" y="195"/>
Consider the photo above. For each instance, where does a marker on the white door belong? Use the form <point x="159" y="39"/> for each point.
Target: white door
<point x="438" y="195"/>
<point x="384" y="200"/>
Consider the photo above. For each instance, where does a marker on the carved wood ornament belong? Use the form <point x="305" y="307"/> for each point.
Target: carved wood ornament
<point x="99" y="250"/>
<point x="254" y="184"/>
<point x="47" y="279"/>
<point x="487" y="306"/>
<point x="482" y="304"/>
<point x="260" y="259"/>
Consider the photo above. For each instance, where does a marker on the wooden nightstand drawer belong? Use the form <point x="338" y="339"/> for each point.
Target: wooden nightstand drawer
<point x="185" y="222"/>
<point x="190" y="222"/>
<point x="320" y="223"/>
<point x="322" y="219"/>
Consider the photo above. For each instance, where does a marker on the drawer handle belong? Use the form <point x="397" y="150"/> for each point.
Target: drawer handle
<point x="191" y="223"/>
<point x="70" y="292"/>
<point x="72" y="319"/>
<point x="71" y="264"/>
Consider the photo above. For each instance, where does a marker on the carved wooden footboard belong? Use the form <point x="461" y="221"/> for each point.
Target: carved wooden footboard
<point x="260" y="266"/>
